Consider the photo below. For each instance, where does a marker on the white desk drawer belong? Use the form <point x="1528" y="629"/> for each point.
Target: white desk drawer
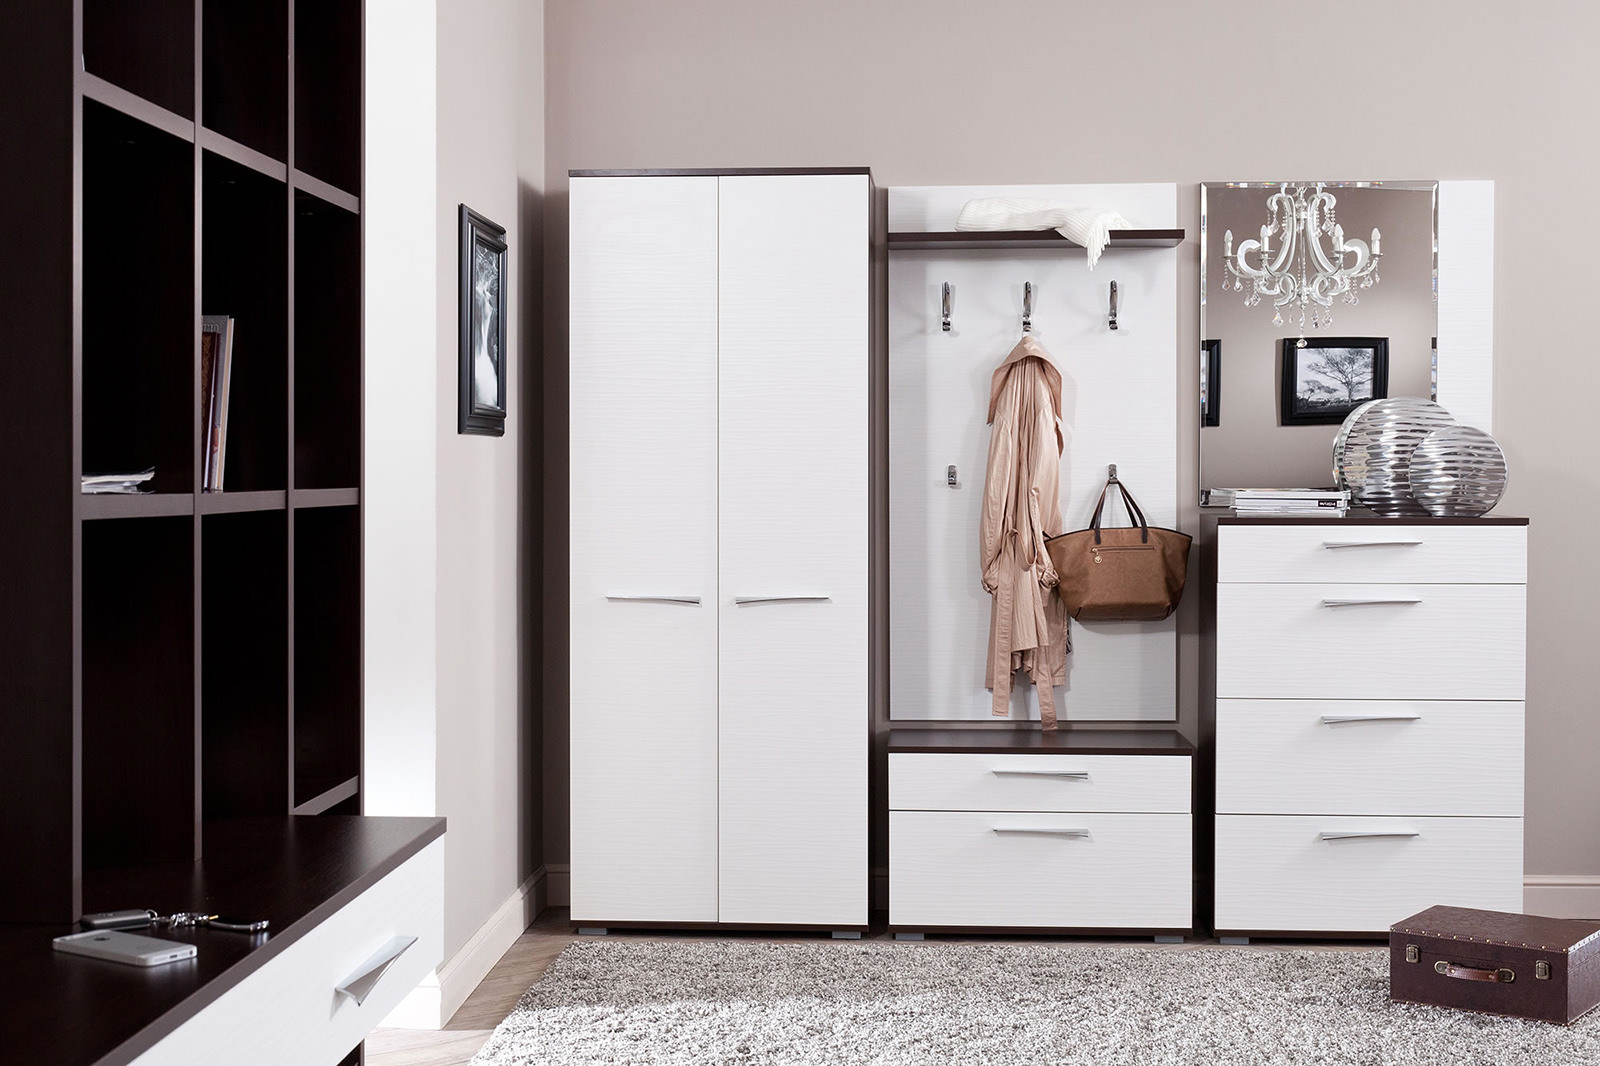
<point x="288" y="1011"/>
<point x="1279" y="873"/>
<point x="1405" y="554"/>
<point x="1369" y="757"/>
<point x="1124" y="871"/>
<point x="1412" y="642"/>
<point x="998" y="782"/>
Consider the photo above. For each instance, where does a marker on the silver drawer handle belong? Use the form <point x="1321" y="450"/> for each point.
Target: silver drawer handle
<point x="1353" y="835"/>
<point x="1023" y="831"/>
<point x="1366" y="603"/>
<point x="742" y="600"/>
<point x="360" y="984"/>
<point x="1066" y="775"/>
<point x="1335" y="719"/>
<point x="615" y="597"/>
<point x="1335" y="544"/>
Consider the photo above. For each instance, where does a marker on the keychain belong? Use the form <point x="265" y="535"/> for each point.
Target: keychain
<point x="133" y="919"/>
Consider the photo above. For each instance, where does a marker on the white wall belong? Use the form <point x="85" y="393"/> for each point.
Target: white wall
<point x="448" y="721"/>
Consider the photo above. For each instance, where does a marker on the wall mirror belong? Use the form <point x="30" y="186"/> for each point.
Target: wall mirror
<point x="1342" y="307"/>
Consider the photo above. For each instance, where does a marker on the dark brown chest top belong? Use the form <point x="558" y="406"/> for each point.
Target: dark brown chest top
<point x="294" y="872"/>
<point x="1068" y="741"/>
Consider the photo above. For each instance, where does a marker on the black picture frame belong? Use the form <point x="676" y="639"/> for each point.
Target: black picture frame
<point x="1211" y="382"/>
<point x="1323" y="379"/>
<point x="482" y="299"/>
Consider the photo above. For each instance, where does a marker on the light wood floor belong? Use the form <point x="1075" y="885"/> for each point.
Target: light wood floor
<point x="537" y="948"/>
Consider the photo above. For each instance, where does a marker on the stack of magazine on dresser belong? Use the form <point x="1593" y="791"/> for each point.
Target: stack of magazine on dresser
<point x="1291" y="501"/>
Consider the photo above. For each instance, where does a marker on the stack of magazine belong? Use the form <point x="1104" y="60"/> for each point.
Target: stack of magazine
<point x="1291" y="501"/>
<point x="102" y="484"/>
<point x="216" y="368"/>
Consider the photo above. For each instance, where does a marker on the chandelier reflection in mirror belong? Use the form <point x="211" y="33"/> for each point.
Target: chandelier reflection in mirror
<point x="1298" y="273"/>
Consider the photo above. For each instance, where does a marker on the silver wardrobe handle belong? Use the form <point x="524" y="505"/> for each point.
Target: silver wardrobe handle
<point x="361" y="983"/>
<point x="1367" y="603"/>
<point x="1025" y="831"/>
<point x="1335" y="719"/>
<point x="692" y="601"/>
<point x="1332" y="545"/>
<point x="1065" y="775"/>
<point x="742" y="600"/>
<point x="1353" y="835"/>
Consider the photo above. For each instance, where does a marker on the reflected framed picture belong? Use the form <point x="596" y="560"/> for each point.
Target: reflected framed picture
<point x="482" y="299"/>
<point x="1325" y="378"/>
<point x="1211" y="383"/>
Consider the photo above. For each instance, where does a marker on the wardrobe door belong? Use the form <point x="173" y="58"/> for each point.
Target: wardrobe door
<point x="793" y="416"/>
<point x="644" y="549"/>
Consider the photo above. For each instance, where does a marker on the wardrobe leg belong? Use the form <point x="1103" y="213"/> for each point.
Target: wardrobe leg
<point x="1234" y="939"/>
<point x="847" y="934"/>
<point x="1169" y="940"/>
<point x="591" y="930"/>
<point x="908" y="936"/>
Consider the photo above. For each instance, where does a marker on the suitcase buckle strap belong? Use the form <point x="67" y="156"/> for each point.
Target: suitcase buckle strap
<point x="1502" y="976"/>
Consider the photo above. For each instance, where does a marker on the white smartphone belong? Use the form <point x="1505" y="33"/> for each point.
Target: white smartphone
<point x="125" y="948"/>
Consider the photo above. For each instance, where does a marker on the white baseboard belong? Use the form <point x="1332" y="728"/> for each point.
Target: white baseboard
<point x="560" y="882"/>
<point x="441" y="993"/>
<point x="1562" y="895"/>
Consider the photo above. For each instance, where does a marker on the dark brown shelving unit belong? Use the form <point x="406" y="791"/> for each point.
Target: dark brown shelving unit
<point x="172" y="659"/>
<point x="1011" y="240"/>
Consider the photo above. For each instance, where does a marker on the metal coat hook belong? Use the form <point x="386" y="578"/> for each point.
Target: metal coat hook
<point x="1113" y="326"/>
<point x="1027" y="307"/>
<point x="1111" y="472"/>
<point x="946" y="302"/>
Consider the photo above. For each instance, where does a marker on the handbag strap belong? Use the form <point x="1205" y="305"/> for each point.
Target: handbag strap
<point x="1134" y="511"/>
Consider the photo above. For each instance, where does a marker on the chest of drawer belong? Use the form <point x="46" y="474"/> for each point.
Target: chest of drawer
<point x="1344" y="874"/>
<point x="1288" y="641"/>
<point x="1388" y="554"/>
<point x="1003" y="782"/>
<point x="1369" y="757"/>
<point x="289" y="1012"/>
<point x="1008" y="870"/>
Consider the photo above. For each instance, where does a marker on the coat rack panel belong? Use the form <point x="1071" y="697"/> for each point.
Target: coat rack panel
<point x="1119" y="405"/>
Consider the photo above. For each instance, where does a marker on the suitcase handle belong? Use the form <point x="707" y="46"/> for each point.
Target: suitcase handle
<point x="1502" y="976"/>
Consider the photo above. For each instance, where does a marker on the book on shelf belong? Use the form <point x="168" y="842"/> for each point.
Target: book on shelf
<point x="105" y="484"/>
<point x="216" y="371"/>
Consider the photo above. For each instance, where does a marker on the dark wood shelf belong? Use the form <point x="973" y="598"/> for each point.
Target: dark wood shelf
<point x="294" y="872"/>
<point x="1359" y="517"/>
<point x="957" y="241"/>
<point x="236" y="502"/>
<point x="1068" y="741"/>
<point x="327" y="799"/>
<point x="136" y="505"/>
<point x="304" y="498"/>
<point x="244" y="155"/>
<point x="137" y="107"/>
<point x="304" y="182"/>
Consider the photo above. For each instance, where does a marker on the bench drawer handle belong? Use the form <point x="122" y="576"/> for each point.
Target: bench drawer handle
<point x="360" y="984"/>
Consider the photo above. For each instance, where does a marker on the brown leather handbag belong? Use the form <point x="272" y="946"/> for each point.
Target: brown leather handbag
<point x="1134" y="574"/>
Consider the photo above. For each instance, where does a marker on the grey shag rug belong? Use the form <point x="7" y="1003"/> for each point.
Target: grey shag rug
<point x="888" y="1004"/>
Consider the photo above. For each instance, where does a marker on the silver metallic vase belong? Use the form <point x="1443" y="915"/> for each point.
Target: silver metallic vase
<point x="1372" y="454"/>
<point x="1457" y="470"/>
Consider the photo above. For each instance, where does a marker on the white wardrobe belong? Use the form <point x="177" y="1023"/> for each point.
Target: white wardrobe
<point x="720" y="341"/>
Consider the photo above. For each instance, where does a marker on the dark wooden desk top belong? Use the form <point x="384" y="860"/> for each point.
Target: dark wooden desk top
<point x="1068" y="741"/>
<point x="294" y="872"/>
<point x="1356" y="516"/>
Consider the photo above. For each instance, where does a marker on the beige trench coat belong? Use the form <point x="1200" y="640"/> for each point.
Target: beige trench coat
<point x="1021" y="505"/>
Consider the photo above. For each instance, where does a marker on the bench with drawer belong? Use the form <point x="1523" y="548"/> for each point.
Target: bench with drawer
<point x="1074" y="831"/>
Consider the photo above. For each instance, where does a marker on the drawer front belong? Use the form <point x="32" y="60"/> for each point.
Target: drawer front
<point x="288" y="1012"/>
<point x="972" y="782"/>
<point x="1279" y="873"/>
<point x="1039" y="871"/>
<point x="1371" y="642"/>
<point x="1369" y="757"/>
<point x="1403" y="554"/>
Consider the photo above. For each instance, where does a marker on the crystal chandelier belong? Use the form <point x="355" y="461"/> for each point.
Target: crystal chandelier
<point x="1299" y="273"/>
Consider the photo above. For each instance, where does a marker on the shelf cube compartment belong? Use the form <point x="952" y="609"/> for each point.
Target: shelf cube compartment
<point x="244" y="664"/>
<point x="327" y="91"/>
<point x="245" y="73"/>
<point x="327" y="345"/>
<point x="145" y="47"/>
<point x="244" y="274"/>
<point x="139" y="769"/>
<point x="327" y="649"/>
<point x="139" y="344"/>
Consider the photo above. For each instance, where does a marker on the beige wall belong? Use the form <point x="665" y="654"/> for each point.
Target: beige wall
<point x="942" y="92"/>
<point x="1249" y="448"/>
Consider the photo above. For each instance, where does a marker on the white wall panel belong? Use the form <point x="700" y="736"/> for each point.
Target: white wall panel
<point x="1466" y="301"/>
<point x="644" y="524"/>
<point x="1119" y="406"/>
<point x="793" y="504"/>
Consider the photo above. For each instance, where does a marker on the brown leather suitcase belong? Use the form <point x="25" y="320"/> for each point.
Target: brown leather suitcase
<point x="1547" y="969"/>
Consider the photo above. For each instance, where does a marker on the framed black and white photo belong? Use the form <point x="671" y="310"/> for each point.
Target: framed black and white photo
<point x="1326" y="378"/>
<point x="483" y="326"/>
<point x="1211" y="383"/>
